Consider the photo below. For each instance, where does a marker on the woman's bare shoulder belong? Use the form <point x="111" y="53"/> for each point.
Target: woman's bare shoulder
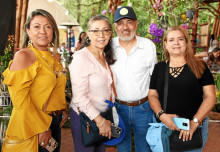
<point x="23" y="59"/>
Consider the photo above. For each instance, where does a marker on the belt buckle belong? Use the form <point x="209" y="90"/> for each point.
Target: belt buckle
<point x="128" y="105"/>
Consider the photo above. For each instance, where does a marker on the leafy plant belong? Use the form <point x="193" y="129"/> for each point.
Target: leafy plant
<point x="8" y="53"/>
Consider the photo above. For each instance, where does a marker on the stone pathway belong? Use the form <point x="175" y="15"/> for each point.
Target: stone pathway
<point x="211" y="146"/>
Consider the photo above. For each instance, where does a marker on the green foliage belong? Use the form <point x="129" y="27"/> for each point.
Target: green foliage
<point x="83" y="10"/>
<point x="8" y="53"/>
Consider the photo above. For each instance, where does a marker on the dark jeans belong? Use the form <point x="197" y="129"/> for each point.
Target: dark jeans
<point x="56" y="132"/>
<point x="77" y="138"/>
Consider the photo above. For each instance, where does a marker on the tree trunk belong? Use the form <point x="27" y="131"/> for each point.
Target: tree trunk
<point x="21" y="13"/>
<point x="18" y="21"/>
<point x="79" y="11"/>
<point x="23" y="19"/>
<point x="194" y="29"/>
<point x="216" y="24"/>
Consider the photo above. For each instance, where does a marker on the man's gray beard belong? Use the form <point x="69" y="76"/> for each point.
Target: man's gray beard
<point x="127" y="38"/>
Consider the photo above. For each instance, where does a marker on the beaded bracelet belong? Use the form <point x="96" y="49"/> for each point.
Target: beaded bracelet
<point x="101" y="123"/>
<point x="159" y="114"/>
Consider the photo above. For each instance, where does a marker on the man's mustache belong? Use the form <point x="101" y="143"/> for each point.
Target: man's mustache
<point x="126" y="31"/>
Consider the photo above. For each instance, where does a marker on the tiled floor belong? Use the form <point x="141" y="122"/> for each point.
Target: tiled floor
<point x="212" y="145"/>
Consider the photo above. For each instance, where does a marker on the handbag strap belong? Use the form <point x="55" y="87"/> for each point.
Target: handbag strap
<point x="113" y="87"/>
<point x="165" y="94"/>
<point x="113" y="84"/>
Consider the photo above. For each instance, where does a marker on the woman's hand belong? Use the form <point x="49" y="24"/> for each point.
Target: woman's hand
<point x="167" y="119"/>
<point x="105" y="128"/>
<point x="65" y="117"/>
<point x="44" y="137"/>
<point x="187" y="135"/>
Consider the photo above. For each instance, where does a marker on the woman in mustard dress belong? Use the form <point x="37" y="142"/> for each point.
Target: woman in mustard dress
<point x="36" y="84"/>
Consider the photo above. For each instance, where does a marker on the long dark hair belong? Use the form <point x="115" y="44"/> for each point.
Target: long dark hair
<point x="212" y="58"/>
<point x="108" y="48"/>
<point x="80" y="39"/>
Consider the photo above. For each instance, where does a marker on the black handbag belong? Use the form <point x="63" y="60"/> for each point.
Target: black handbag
<point x="175" y="143"/>
<point x="89" y="130"/>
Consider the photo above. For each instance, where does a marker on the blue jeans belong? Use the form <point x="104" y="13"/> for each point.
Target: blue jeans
<point x="56" y="132"/>
<point x="136" y="118"/>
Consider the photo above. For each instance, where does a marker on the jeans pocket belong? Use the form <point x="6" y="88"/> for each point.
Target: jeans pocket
<point x="145" y="106"/>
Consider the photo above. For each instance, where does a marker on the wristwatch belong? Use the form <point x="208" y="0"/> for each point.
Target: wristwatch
<point x="196" y="120"/>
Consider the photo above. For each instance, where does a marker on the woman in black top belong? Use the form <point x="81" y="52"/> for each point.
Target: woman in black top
<point x="191" y="91"/>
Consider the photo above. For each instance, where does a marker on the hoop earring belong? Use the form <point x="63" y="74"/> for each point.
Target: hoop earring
<point x="29" y="43"/>
<point x="88" y="41"/>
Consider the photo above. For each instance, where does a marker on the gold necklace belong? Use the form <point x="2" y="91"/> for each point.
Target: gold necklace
<point x="51" y="60"/>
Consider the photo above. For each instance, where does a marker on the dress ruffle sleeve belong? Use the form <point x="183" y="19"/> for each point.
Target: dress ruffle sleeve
<point x="26" y="119"/>
<point x="21" y="76"/>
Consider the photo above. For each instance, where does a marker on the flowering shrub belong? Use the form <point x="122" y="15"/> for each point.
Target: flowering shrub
<point x="158" y="5"/>
<point x="157" y="36"/>
<point x="156" y="33"/>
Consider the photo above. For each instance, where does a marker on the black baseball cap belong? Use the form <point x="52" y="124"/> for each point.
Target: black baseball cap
<point x="124" y="12"/>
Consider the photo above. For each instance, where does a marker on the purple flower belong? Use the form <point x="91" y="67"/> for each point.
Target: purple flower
<point x="153" y="28"/>
<point x="160" y="7"/>
<point x="104" y="11"/>
<point x="185" y="26"/>
<point x="159" y="32"/>
<point x="157" y="39"/>
<point x="110" y="11"/>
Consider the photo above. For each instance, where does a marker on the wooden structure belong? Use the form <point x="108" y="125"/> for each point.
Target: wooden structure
<point x="203" y="36"/>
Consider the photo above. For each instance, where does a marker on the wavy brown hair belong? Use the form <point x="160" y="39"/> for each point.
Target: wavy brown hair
<point x="196" y="65"/>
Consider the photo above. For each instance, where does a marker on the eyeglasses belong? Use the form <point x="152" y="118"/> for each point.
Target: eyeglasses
<point x="97" y="32"/>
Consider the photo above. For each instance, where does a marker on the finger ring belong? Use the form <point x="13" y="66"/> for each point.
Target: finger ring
<point x="102" y="134"/>
<point x="187" y="133"/>
<point x="42" y="143"/>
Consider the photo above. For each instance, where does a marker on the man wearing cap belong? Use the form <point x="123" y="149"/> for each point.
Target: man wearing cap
<point x="136" y="57"/>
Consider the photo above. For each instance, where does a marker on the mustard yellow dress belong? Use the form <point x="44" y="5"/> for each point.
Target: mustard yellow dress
<point x="30" y="89"/>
